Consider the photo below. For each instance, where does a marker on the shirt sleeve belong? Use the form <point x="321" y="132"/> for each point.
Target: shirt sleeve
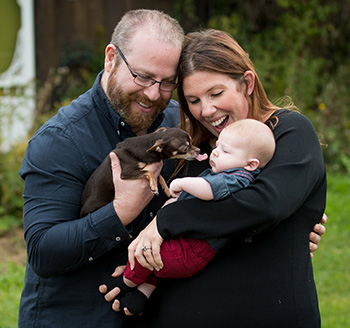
<point x="294" y="173"/>
<point x="225" y="183"/>
<point x="57" y="239"/>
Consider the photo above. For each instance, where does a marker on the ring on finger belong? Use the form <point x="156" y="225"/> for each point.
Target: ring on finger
<point x="145" y="248"/>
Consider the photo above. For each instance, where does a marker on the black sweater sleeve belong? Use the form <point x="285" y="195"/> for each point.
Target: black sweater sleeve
<point x="296" y="169"/>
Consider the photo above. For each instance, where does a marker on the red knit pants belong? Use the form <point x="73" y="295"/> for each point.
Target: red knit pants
<point x="182" y="258"/>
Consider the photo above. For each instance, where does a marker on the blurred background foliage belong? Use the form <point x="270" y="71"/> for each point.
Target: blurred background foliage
<point x="300" y="48"/>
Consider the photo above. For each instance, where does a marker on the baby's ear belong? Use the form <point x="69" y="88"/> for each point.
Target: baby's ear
<point x="252" y="164"/>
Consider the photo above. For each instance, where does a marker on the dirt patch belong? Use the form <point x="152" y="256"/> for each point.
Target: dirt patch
<point x="12" y="247"/>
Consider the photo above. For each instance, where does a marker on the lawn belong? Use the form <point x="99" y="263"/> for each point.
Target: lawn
<point x="331" y="261"/>
<point x="331" y="265"/>
<point x="11" y="284"/>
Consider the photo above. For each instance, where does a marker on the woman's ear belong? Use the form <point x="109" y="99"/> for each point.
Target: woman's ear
<point x="252" y="164"/>
<point x="109" y="57"/>
<point x="249" y="76"/>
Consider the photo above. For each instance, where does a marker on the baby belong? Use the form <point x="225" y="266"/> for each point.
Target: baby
<point x="242" y="149"/>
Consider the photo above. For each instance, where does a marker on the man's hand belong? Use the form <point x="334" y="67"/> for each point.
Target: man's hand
<point x="131" y="196"/>
<point x="315" y="235"/>
<point x="110" y="295"/>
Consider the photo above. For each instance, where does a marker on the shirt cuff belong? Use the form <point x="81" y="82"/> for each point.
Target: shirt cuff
<point x="108" y="225"/>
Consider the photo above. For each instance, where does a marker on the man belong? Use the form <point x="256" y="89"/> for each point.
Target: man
<point x="68" y="256"/>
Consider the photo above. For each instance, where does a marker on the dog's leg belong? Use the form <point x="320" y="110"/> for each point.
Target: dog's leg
<point x="164" y="186"/>
<point x="152" y="181"/>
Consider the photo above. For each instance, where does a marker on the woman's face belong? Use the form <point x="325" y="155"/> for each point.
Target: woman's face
<point x="215" y="100"/>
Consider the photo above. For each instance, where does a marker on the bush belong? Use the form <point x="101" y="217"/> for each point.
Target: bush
<point x="299" y="49"/>
<point x="11" y="187"/>
<point x="80" y="64"/>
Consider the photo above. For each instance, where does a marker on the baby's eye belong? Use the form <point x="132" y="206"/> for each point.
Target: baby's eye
<point x="217" y="94"/>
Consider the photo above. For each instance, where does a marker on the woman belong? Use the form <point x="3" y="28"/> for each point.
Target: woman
<point x="263" y="277"/>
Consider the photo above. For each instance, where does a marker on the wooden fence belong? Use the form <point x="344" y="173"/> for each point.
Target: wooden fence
<point x="60" y="23"/>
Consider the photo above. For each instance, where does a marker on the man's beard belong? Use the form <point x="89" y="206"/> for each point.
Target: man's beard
<point x="120" y="101"/>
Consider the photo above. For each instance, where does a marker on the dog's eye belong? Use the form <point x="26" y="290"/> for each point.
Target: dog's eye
<point x="184" y="148"/>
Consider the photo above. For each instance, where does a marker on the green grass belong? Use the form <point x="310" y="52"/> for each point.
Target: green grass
<point x="331" y="265"/>
<point x="331" y="261"/>
<point x="11" y="284"/>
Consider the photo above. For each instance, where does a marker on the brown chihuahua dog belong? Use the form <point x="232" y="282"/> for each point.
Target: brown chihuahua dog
<point x="134" y="154"/>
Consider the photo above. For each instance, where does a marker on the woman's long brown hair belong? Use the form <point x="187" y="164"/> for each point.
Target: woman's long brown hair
<point x="216" y="51"/>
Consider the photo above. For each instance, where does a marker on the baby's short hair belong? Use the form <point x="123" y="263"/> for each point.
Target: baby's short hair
<point x="258" y="137"/>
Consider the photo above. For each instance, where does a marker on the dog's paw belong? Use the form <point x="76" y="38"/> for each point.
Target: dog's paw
<point x="155" y="191"/>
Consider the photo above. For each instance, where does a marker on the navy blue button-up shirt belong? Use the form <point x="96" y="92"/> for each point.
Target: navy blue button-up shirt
<point x="68" y="256"/>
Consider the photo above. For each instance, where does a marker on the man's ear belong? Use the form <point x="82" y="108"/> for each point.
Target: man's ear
<point x="252" y="164"/>
<point x="158" y="146"/>
<point x="109" y="57"/>
<point x="250" y="78"/>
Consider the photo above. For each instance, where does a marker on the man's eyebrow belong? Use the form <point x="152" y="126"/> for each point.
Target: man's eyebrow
<point x="146" y="73"/>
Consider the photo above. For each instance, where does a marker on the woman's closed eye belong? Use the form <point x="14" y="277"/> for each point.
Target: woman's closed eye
<point x="193" y="101"/>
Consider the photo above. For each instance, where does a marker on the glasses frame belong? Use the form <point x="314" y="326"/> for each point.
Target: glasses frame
<point x="151" y="81"/>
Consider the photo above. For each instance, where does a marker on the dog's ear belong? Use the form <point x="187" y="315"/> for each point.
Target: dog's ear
<point x="158" y="146"/>
<point x="163" y="129"/>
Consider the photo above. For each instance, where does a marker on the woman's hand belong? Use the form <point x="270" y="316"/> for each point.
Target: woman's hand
<point x="131" y="196"/>
<point x="146" y="248"/>
<point x="315" y="236"/>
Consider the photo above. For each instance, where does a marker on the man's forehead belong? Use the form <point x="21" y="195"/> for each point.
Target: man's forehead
<point x="152" y="56"/>
<point x="148" y="42"/>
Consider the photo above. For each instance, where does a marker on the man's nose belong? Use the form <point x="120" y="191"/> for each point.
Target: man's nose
<point x="152" y="92"/>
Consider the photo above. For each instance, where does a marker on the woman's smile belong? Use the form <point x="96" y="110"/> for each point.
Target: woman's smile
<point x="215" y="100"/>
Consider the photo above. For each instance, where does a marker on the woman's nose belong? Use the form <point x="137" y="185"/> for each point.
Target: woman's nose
<point x="207" y="109"/>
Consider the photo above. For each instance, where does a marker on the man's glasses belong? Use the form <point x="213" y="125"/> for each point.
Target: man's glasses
<point x="145" y="81"/>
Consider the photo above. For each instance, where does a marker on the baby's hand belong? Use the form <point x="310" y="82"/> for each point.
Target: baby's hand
<point x="175" y="188"/>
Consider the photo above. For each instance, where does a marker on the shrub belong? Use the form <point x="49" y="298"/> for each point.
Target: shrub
<point x="299" y="49"/>
<point x="11" y="187"/>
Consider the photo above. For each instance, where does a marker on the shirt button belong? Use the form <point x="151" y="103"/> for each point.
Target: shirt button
<point x="122" y="123"/>
<point x="118" y="239"/>
<point x="91" y="259"/>
<point x="151" y="214"/>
